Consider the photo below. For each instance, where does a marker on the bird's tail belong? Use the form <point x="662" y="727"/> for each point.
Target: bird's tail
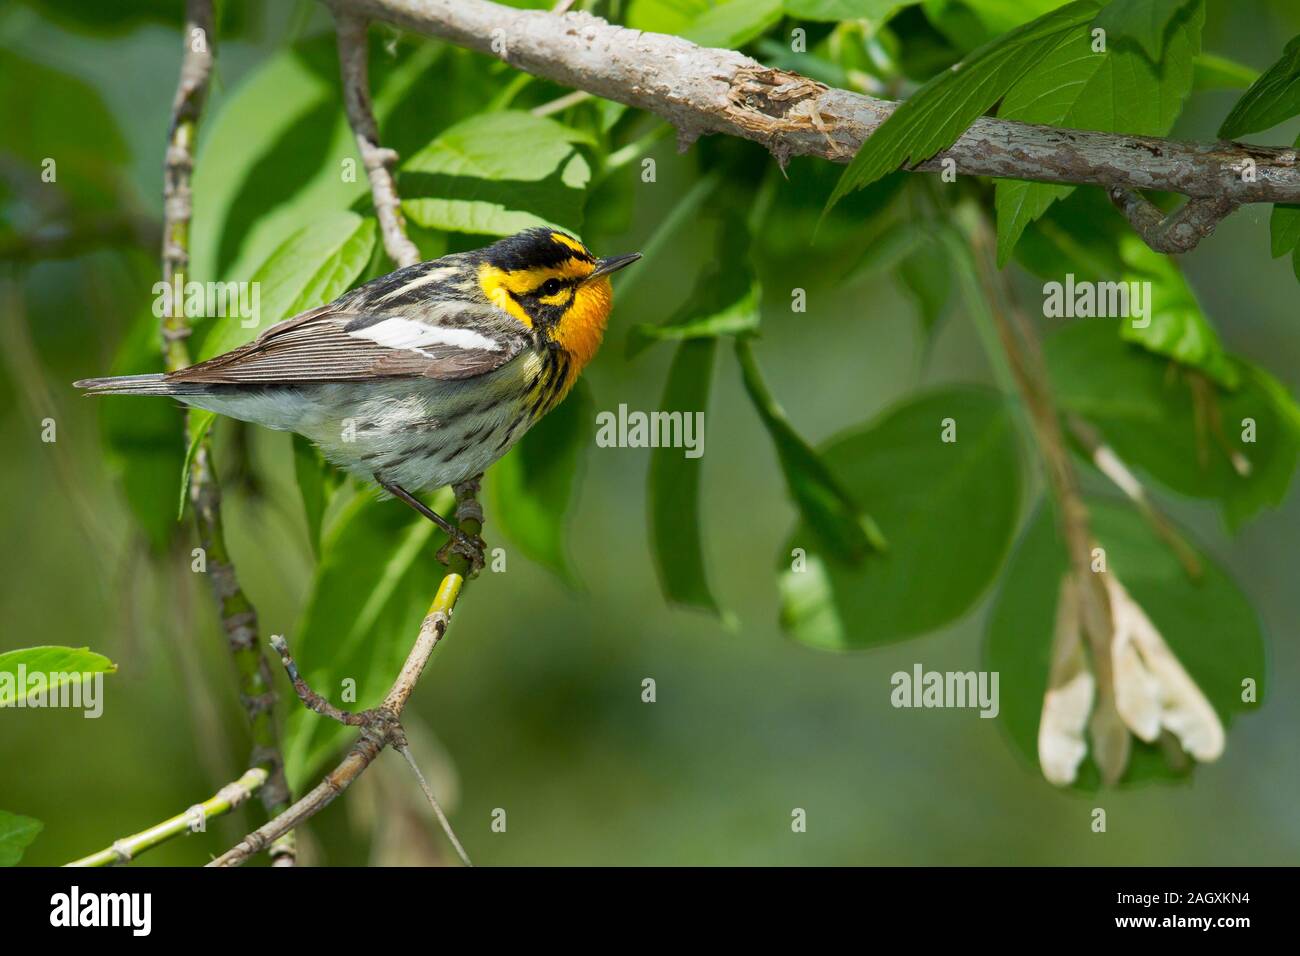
<point x="137" y="385"/>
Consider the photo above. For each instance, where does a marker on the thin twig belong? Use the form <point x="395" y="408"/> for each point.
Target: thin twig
<point x="561" y="103"/>
<point x="383" y="725"/>
<point x="192" y="820"/>
<point x="443" y="822"/>
<point x="378" y="160"/>
<point x="238" y="617"/>
<point x="1114" y="468"/>
<point x="309" y="697"/>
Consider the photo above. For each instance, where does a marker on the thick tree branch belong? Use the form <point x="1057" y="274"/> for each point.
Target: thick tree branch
<point x="238" y="617"/>
<point x="379" y="161"/>
<point x="223" y="801"/>
<point x="701" y="90"/>
<point x="380" y="726"/>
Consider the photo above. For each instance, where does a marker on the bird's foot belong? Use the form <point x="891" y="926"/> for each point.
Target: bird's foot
<point x="471" y="548"/>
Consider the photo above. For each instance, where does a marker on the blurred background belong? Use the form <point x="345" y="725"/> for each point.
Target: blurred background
<point x="533" y="703"/>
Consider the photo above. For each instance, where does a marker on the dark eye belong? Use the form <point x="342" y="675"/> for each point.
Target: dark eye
<point x="550" y="287"/>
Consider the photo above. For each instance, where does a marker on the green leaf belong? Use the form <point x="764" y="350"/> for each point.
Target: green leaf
<point x="1214" y="72"/>
<point x="498" y="173"/>
<point x="315" y="265"/>
<point x="1176" y="327"/>
<point x="1272" y="99"/>
<point x="49" y="115"/>
<point x="734" y="23"/>
<point x="1145" y="22"/>
<point x="1284" y="227"/>
<point x="1209" y="624"/>
<point x="828" y="10"/>
<point x="16" y="834"/>
<point x="940" y="111"/>
<point x="1118" y="91"/>
<point x="373" y="583"/>
<point x="536" y="483"/>
<point x="1148" y="417"/>
<point x="926" y="274"/>
<point x="317" y="483"/>
<point x="57" y="666"/>
<point x="830" y="510"/>
<point x="277" y="151"/>
<point x="949" y="510"/>
<point x="674" y="485"/>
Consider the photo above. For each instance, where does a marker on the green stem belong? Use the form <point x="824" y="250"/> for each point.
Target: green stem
<point x="223" y="801"/>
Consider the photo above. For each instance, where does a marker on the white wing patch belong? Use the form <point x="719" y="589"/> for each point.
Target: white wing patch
<point x="408" y="334"/>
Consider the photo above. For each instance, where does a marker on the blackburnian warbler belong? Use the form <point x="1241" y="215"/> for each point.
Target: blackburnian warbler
<point x="423" y="377"/>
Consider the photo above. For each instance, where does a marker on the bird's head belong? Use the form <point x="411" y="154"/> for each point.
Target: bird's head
<point x="550" y="282"/>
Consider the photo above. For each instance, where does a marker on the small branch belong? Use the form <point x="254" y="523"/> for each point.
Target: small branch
<point x="382" y="725"/>
<point x="225" y="800"/>
<point x="379" y="161"/>
<point x="402" y="748"/>
<point x="238" y="617"/>
<point x="178" y="206"/>
<point x="561" y="103"/>
<point x="1113" y="467"/>
<point x="309" y="697"/>
<point x="1180" y="231"/>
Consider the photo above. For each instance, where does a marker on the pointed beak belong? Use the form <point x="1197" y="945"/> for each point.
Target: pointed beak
<point x="605" y="266"/>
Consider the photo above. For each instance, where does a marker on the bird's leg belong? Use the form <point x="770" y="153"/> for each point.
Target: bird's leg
<point x="459" y="542"/>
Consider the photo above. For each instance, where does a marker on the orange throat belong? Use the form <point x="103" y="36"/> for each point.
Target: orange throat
<point x="580" y="332"/>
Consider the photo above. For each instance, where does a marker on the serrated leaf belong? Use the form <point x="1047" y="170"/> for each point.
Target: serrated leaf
<point x="315" y="265"/>
<point x="934" y="117"/>
<point x="1272" y="99"/>
<point x="949" y="510"/>
<point x="277" y="151"/>
<point x="373" y="583"/>
<point x="1117" y="91"/>
<point x="57" y="665"/>
<point x="16" y="834"/>
<point x="498" y="173"/>
<point x="1208" y="624"/>
<point x="827" y="507"/>
<point x="1145" y="22"/>
<point x="674" y="485"/>
<point x="535" y="484"/>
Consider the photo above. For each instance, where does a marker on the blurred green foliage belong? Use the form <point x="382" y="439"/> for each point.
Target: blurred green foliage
<point x="901" y="535"/>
